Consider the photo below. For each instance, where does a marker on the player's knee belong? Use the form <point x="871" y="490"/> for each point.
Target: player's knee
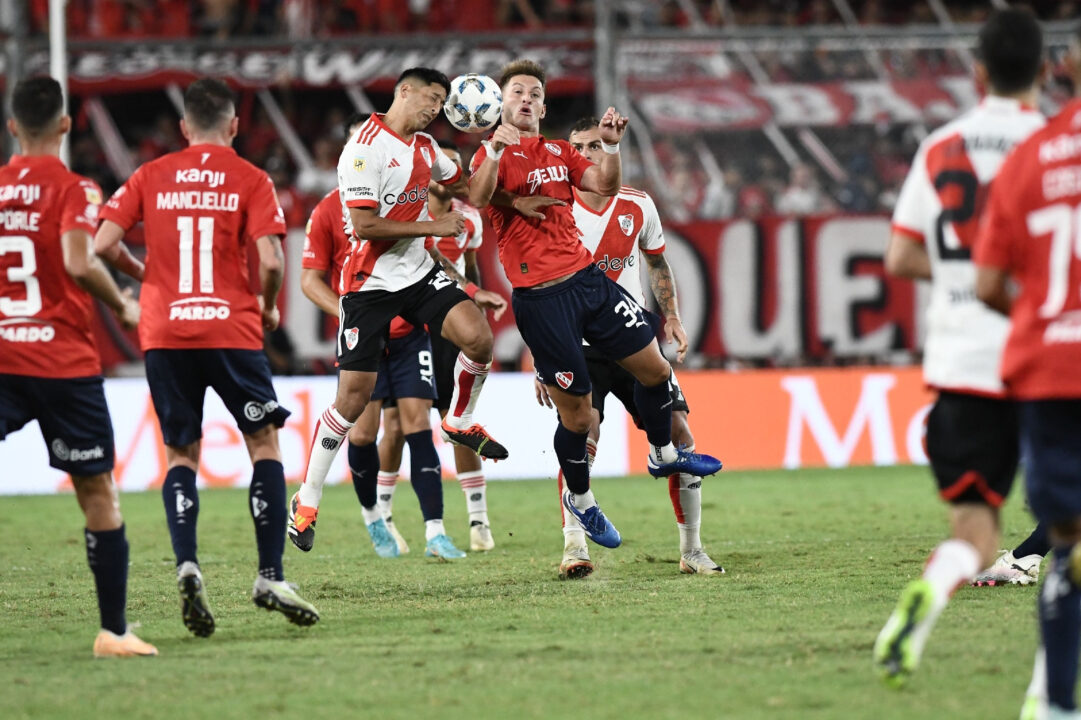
<point x="476" y="343"/>
<point x="99" y="501"/>
<point x="361" y="435"/>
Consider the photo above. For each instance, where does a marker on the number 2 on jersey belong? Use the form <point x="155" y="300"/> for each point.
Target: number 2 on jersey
<point x="186" y="227"/>
<point x="24" y="273"/>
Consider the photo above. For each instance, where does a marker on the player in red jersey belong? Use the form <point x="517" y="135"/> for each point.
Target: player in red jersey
<point x="458" y="254"/>
<point x="49" y="366"/>
<point x="1031" y="240"/>
<point x="383" y="177"/>
<point x="205" y="209"/>
<point x="560" y="297"/>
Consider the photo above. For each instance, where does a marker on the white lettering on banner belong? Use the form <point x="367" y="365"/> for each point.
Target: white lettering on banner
<point x="917" y="429"/>
<point x="798" y="104"/>
<point x="872" y="413"/>
<point x="195" y="200"/>
<point x="875" y="100"/>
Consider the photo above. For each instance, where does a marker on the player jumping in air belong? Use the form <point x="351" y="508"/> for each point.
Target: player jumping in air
<point x="204" y="209"/>
<point x="972" y="429"/>
<point x="621" y="232"/>
<point x="1029" y="265"/>
<point x="560" y="296"/>
<point x="49" y="366"/>
<point x="383" y="177"/>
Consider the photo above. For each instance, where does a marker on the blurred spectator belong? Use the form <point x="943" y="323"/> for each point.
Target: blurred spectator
<point x="322" y="176"/>
<point x="803" y="195"/>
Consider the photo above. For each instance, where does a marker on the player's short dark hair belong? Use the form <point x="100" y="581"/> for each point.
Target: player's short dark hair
<point x="36" y="104"/>
<point x="450" y="145"/>
<point x="428" y="76"/>
<point x="584" y="124"/>
<point x="521" y="66"/>
<point x="1011" y="48"/>
<point x="208" y="102"/>
<point x="357" y="118"/>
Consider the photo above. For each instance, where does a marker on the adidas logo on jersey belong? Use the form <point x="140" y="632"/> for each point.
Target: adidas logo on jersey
<point x="394" y="163"/>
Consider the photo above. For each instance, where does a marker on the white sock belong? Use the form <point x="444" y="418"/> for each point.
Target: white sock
<point x="591" y="451"/>
<point x="952" y="564"/>
<point x="685" y="492"/>
<point x="330" y="431"/>
<point x="433" y="528"/>
<point x="469" y="378"/>
<point x="371" y="514"/>
<point x="584" y="501"/>
<point x="476" y="501"/>
<point x="387" y="483"/>
<point x="663" y="454"/>
<point x="573" y="533"/>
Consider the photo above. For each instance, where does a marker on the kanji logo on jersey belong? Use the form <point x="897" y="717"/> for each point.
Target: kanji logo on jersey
<point x="564" y="379"/>
<point x="626" y="224"/>
<point x="351" y="335"/>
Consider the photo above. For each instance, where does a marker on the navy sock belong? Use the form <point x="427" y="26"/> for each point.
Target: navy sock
<point x="364" y="467"/>
<point x="1060" y="624"/>
<point x="266" y="496"/>
<point x="655" y="410"/>
<point x="107" y="555"/>
<point x="571" y="453"/>
<point x="1035" y="544"/>
<point x="181" y="511"/>
<point x="426" y="474"/>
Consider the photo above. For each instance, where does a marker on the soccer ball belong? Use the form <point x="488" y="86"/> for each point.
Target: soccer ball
<point x="474" y="103"/>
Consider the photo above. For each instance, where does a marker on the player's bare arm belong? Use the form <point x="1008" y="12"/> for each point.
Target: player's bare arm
<point x="472" y="268"/>
<point x="271" y="272"/>
<point x="109" y="246"/>
<point x="530" y="206"/>
<point x="663" y="286"/>
<point x="485" y="299"/>
<point x="907" y="258"/>
<point x="314" y="285"/>
<point x="993" y="288"/>
<point x="369" y="225"/>
<point x="88" y="272"/>
<point x="483" y="182"/>
<point x="606" y="177"/>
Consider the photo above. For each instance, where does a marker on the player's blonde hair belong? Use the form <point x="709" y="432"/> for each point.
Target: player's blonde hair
<point x="522" y="66"/>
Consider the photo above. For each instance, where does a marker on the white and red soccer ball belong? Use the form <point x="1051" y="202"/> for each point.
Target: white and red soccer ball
<point x="474" y="103"/>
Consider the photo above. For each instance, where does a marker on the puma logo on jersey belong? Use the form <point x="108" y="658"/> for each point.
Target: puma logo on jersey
<point x="521" y="155"/>
<point x="540" y="176"/>
<point x="213" y="178"/>
<point x="564" y="379"/>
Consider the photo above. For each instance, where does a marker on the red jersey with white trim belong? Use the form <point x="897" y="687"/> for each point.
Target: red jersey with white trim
<point x="1032" y="231"/>
<point x="44" y="315"/>
<point x="326" y="246"/>
<point x="203" y="209"/>
<point x="532" y="250"/>
<point x="619" y="233"/>
<point x="940" y="205"/>
<point x="379" y="170"/>
<point x="471" y="238"/>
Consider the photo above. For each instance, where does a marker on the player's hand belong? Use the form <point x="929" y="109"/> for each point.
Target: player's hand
<point x="674" y="332"/>
<point x="450" y="225"/>
<point x="543" y="398"/>
<point x="488" y="300"/>
<point x="612" y="126"/>
<point x="271" y="317"/>
<point x="505" y="135"/>
<point x="531" y="205"/>
<point x="129" y="312"/>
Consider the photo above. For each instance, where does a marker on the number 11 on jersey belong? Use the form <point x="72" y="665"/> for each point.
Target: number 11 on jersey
<point x="186" y="227"/>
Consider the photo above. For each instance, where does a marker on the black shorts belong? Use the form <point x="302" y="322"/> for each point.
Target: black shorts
<point x="444" y="355"/>
<point x="73" y="417"/>
<point x="406" y="369"/>
<point x="972" y="443"/>
<point x="365" y="317"/>
<point x="178" y="380"/>
<point x="609" y="377"/>
<point x="589" y="305"/>
<point x="1050" y="430"/>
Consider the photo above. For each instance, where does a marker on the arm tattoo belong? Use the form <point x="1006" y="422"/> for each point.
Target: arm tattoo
<point x="448" y="267"/>
<point x="662" y="284"/>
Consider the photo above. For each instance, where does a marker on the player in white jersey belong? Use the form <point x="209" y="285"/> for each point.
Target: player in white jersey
<point x="622" y="232"/>
<point x="383" y="177"/>
<point x="972" y="430"/>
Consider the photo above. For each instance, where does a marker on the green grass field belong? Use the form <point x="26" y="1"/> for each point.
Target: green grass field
<point x="815" y="561"/>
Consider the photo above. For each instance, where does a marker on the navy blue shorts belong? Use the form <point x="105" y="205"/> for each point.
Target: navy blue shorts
<point x="178" y="381"/>
<point x="73" y="417"/>
<point x="406" y="369"/>
<point x="554" y="320"/>
<point x="1050" y="430"/>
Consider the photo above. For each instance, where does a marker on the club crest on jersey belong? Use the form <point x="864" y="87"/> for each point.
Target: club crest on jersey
<point x="426" y="155"/>
<point x="626" y="224"/>
<point x="553" y="148"/>
<point x="564" y="379"/>
<point x="93" y="195"/>
<point x="352" y="335"/>
<point x="358" y="164"/>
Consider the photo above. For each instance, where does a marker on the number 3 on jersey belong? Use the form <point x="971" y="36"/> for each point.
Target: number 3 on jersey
<point x="21" y="273"/>
<point x="186" y="227"/>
